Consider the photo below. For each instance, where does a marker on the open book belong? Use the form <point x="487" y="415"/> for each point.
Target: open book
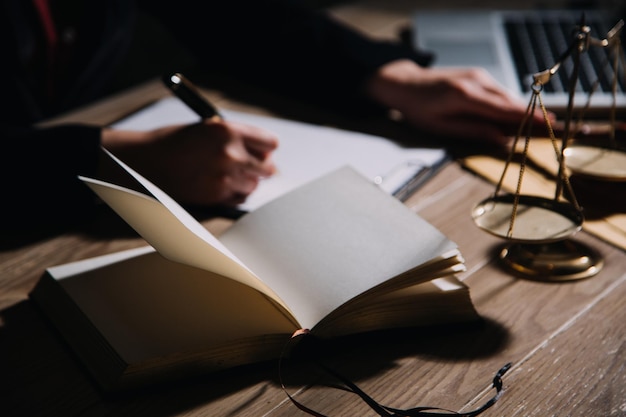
<point x="337" y="256"/>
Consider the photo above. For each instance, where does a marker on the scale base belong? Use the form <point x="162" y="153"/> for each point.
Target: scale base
<point x="564" y="260"/>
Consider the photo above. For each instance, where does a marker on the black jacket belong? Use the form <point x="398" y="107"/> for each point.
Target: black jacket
<point x="278" y="44"/>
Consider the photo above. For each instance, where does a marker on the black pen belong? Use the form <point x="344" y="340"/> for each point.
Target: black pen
<point x="190" y="95"/>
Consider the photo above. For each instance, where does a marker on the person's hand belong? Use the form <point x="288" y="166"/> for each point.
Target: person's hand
<point x="208" y="163"/>
<point x="465" y="103"/>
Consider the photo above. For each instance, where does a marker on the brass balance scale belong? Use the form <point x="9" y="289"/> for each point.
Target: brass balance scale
<point x="539" y="230"/>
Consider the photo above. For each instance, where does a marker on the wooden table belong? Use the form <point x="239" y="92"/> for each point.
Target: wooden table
<point x="565" y="341"/>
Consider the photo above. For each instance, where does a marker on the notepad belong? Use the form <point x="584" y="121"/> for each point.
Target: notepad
<point x="307" y="151"/>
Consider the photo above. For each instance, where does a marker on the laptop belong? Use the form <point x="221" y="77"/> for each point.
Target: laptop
<point x="515" y="44"/>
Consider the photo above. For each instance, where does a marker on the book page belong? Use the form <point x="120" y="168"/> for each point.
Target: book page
<point x="331" y="240"/>
<point x="441" y="300"/>
<point x="172" y="231"/>
<point x="306" y="151"/>
<point x="147" y="306"/>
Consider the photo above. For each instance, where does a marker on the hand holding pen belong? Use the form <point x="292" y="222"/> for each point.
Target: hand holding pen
<point x="239" y="154"/>
<point x="212" y="162"/>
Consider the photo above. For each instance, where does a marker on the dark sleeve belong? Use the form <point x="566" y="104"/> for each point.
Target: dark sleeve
<point x="39" y="167"/>
<point x="38" y="176"/>
<point x="282" y="45"/>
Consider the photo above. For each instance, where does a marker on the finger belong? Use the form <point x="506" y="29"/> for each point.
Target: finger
<point x="476" y="75"/>
<point x="234" y="199"/>
<point x="494" y="108"/>
<point x="259" y="168"/>
<point x="243" y="184"/>
<point x="482" y="95"/>
<point x="253" y="151"/>
<point x="250" y="163"/>
<point x="260" y="150"/>
<point x="258" y="141"/>
<point x="236" y="188"/>
<point x="261" y="140"/>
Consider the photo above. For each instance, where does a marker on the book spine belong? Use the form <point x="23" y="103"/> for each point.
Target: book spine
<point x="84" y="339"/>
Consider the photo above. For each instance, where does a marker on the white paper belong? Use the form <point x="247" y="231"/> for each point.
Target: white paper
<point x="305" y="151"/>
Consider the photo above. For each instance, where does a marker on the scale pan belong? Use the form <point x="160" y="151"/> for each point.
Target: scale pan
<point x="538" y="219"/>
<point x="596" y="162"/>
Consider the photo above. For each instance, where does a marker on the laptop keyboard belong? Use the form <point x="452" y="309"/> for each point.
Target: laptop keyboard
<point x="537" y="41"/>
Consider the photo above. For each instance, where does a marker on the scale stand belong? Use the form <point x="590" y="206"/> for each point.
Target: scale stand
<point x="602" y="161"/>
<point x="538" y="230"/>
<point x="541" y="247"/>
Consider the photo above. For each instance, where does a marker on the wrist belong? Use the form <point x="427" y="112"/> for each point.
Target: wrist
<point x="120" y="140"/>
<point x="126" y="145"/>
<point x="389" y="85"/>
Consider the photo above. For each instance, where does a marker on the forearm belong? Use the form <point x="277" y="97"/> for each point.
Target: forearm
<point x="285" y="47"/>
